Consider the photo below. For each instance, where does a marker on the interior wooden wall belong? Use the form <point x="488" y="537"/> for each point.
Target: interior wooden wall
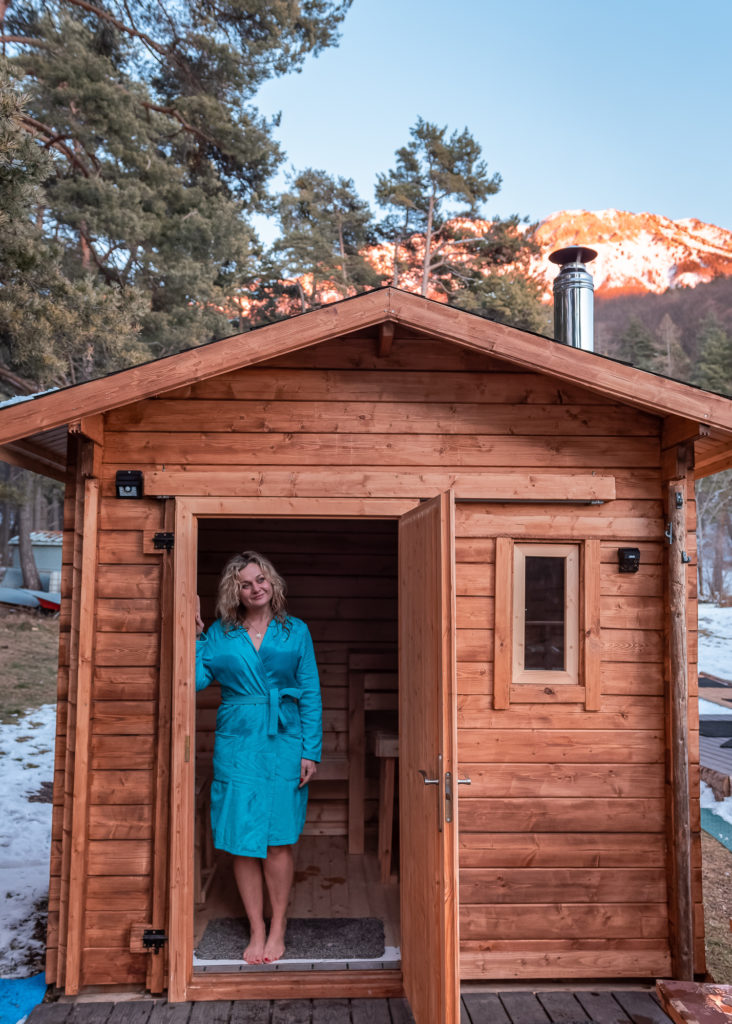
<point x="341" y="580"/>
<point x="563" y="831"/>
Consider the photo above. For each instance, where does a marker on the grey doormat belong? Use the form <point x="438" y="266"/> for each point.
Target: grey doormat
<point x="306" y="938"/>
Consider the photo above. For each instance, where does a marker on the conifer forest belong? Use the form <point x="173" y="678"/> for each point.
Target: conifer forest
<point x="134" y="159"/>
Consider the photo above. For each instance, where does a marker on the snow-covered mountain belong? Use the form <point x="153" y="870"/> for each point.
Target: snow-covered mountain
<point x="638" y="252"/>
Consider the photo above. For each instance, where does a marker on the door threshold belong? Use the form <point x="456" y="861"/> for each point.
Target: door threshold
<point x="385" y="963"/>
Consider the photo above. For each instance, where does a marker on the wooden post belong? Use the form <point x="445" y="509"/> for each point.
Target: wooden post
<point x="73" y="525"/>
<point x="682" y="939"/>
<point x="182" y="749"/>
<point x="156" y="968"/>
<point x="84" y="674"/>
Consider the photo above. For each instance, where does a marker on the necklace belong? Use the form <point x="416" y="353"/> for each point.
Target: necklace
<point x="256" y="632"/>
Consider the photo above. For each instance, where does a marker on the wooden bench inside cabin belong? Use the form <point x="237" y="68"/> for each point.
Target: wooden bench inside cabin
<point x="372" y="726"/>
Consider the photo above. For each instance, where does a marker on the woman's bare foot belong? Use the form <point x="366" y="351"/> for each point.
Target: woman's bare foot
<point x="275" y="945"/>
<point x="254" y="953"/>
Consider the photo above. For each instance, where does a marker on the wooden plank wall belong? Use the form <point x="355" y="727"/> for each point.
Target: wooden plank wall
<point x="341" y="579"/>
<point x="562" y="832"/>
<point x="123" y="739"/>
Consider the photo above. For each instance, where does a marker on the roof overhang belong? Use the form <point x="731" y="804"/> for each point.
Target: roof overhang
<point x="33" y="433"/>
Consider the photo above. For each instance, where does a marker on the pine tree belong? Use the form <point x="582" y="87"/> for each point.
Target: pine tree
<point x="514" y="299"/>
<point x="672" y="361"/>
<point x="432" y="172"/>
<point x="325" y="229"/>
<point x="54" y="329"/>
<point x="434" y="196"/>
<point x="159" y="156"/>
<point x="713" y="370"/>
<point x="637" y="345"/>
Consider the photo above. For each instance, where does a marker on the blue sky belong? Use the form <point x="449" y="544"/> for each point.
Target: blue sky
<point x="577" y="105"/>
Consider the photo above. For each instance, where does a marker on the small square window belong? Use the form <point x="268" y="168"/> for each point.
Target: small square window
<point x="547" y="637"/>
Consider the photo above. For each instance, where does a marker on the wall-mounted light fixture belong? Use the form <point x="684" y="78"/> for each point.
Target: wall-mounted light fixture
<point x="628" y="559"/>
<point x="128" y="483"/>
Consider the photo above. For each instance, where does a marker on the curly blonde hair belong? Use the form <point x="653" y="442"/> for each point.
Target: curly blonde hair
<point x="228" y="605"/>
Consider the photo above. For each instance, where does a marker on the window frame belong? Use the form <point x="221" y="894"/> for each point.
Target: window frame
<point x="570" y="675"/>
<point x="515" y="685"/>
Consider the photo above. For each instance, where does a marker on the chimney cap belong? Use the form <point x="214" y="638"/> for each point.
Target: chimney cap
<point x="572" y="254"/>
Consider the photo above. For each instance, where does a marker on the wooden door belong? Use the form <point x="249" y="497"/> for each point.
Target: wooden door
<point x="427" y="751"/>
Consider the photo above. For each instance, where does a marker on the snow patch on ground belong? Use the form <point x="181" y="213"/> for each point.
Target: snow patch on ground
<point x="26" y="753"/>
<point x="715" y="640"/>
<point x="721" y="807"/>
<point x="708" y="708"/>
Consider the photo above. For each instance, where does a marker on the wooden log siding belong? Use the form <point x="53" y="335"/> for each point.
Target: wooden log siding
<point x="559" y="790"/>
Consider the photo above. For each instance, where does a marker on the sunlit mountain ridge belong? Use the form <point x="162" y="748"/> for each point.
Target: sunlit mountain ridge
<point x="638" y="252"/>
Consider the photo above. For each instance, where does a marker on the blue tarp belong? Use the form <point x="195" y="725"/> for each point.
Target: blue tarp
<point x="19" y="596"/>
<point x="717" y="827"/>
<point x="18" y="996"/>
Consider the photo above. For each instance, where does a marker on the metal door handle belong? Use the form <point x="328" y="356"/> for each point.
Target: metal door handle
<point x="464" y="782"/>
<point x="428" y="782"/>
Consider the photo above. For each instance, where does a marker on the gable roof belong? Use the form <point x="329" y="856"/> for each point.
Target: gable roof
<point x="33" y="433"/>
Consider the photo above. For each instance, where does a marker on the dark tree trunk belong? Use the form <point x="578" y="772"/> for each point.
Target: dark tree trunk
<point x="717" y="587"/>
<point x="5" y="512"/>
<point x="39" y="517"/>
<point x="31" y="579"/>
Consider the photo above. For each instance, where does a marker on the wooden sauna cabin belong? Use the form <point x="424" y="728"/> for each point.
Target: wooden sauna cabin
<point x="492" y="538"/>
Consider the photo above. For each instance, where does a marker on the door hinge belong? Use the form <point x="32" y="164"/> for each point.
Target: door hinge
<point x="154" y="939"/>
<point x="163" y="541"/>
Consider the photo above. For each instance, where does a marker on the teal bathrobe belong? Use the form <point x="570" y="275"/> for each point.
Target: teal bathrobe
<point x="269" y="719"/>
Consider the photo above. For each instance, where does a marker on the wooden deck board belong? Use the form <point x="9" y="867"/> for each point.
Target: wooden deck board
<point x="563" y="1007"/>
<point x="291" y="1011"/>
<point x="130" y="1013"/>
<point x="370" y="1011"/>
<point x="330" y="1011"/>
<point x="484" y="1006"/>
<point x="642" y="1007"/>
<point x="170" y="1013"/>
<point x="514" y="1006"/>
<point x="601" y="1008"/>
<point x="253" y="1011"/>
<point x="53" y="1013"/>
<point x="217" y="1011"/>
<point x="523" y="1008"/>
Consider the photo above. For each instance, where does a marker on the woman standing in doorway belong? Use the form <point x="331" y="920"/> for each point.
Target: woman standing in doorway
<point x="268" y="738"/>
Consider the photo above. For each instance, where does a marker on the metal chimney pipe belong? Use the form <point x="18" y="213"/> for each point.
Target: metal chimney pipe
<point x="574" y="297"/>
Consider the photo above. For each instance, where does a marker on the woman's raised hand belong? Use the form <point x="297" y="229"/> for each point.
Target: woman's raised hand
<point x="199" y="620"/>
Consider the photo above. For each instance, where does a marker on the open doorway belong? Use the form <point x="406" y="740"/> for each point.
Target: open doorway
<point x="342" y="581"/>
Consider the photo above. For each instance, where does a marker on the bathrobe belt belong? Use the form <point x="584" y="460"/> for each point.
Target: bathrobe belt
<point x="273" y="698"/>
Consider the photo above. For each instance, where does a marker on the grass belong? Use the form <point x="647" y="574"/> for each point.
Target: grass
<point x="28" y="661"/>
